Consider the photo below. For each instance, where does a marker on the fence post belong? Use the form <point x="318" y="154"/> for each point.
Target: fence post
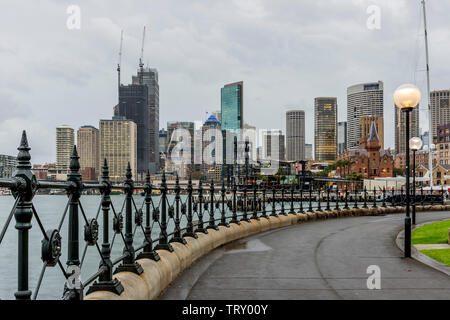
<point x="292" y="199"/>
<point x="200" y="227"/>
<point x="234" y="218"/>
<point x="310" y="209"/>
<point x="190" y="225"/>
<point x="177" y="232"/>
<point x="301" y="200"/>
<point x="393" y="195"/>
<point x="105" y="281"/>
<point x="245" y="204"/>
<point x="328" y="200"/>
<point x="274" y="210"/>
<point x="356" y="199"/>
<point x="319" y="207"/>
<point x="264" y="213"/>
<point x="374" y="198"/>
<point x="73" y="259"/>
<point x="346" y="207"/>
<point x="337" y="197"/>
<point x="23" y="214"/>
<point x="223" y="218"/>
<point x="282" y="201"/>
<point x="421" y="196"/>
<point x="212" y="224"/>
<point x="442" y="194"/>
<point x="129" y="263"/>
<point x="148" y="251"/>
<point x="255" y="206"/>
<point x="365" y="198"/>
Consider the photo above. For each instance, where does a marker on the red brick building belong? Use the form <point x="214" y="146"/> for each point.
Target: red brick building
<point x="369" y="161"/>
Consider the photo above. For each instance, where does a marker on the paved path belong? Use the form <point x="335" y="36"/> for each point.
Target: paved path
<point x="315" y="260"/>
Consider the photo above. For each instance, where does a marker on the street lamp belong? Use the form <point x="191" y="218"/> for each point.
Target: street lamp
<point x="406" y="98"/>
<point x="414" y="144"/>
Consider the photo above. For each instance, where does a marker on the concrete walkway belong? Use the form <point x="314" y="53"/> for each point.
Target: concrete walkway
<point x="315" y="260"/>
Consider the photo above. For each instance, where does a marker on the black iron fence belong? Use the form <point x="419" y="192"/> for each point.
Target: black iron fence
<point x="165" y="215"/>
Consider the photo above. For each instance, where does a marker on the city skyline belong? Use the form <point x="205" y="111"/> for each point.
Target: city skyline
<point x="186" y="71"/>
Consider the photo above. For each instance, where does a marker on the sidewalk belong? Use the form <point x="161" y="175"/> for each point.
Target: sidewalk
<point x="316" y="260"/>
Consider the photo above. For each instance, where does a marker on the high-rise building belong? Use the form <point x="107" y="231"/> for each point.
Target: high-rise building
<point x="270" y="138"/>
<point x="232" y="106"/>
<point x="425" y="138"/>
<point x="134" y="106"/>
<point x="309" y="151"/>
<point x="342" y="136"/>
<point x="218" y="115"/>
<point x="88" y="145"/>
<point x="364" y="99"/>
<point x="211" y="149"/>
<point x="174" y="139"/>
<point x="150" y="78"/>
<point x="440" y="110"/>
<point x="400" y="127"/>
<point x="365" y="124"/>
<point x="7" y="165"/>
<point x="65" y="141"/>
<point x="232" y="120"/>
<point x="325" y="129"/>
<point x="295" y="135"/>
<point x="163" y="141"/>
<point x="118" y="141"/>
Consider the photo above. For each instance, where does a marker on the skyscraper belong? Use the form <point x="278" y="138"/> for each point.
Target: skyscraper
<point x="232" y="106"/>
<point x="270" y="142"/>
<point x="325" y="129"/>
<point x="308" y="151"/>
<point x="364" y="99"/>
<point x="64" y="146"/>
<point x="400" y="125"/>
<point x="440" y="110"/>
<point x="365" y="124"/>
<point x="134" y="106"/>
<point x="211" y="149"/>
<point x="118" y="140"/>
<point x="342" y="136"/>
<point x="150" y="78"/>
<point x="295" y="135"/>
<point x="175" y="139"/>
<point x="88" y="144"/>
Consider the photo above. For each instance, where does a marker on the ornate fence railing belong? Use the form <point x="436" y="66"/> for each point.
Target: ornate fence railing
<point x="170" y="216"/>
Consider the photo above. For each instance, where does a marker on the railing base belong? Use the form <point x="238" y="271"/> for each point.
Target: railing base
<point x="132" y="267"/>
<point x="164" y="246"/>
<point x="113" y="286"/>
<point x="149" y="255"/>
<point x="178" y="239"/>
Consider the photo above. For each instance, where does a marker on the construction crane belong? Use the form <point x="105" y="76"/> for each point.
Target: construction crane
<point x="141" y="59"/>
<point x="120" y="59"/>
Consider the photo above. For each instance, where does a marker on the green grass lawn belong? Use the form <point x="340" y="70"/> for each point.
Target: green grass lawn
<point x="433" y="233"/>
<point x="441" y="255"/>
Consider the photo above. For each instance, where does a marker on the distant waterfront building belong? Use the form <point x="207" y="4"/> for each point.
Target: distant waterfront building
<point x="118" y="140"/>
<point x="270" y="142"/>
<point x="364" y="99"/>
<point x="325" y="129"/>
<point x="88" y="145"/>
<point x="400" y="127"/>
<point x="342" y="136"/>
<point x="7" y="165"/>
<point x="365" y="123"/>
<point x="151" y="79"/>
<point x="309" y="151"/>
<point x="295" y="135"/>
<point x="64" y="147"/>
<point x="440" y="109"/>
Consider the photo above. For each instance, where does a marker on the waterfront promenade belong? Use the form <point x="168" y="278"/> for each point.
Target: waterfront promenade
<point x="315" y="260"/>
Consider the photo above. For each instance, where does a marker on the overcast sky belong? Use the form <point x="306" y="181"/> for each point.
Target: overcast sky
<point x="287" y="52"/>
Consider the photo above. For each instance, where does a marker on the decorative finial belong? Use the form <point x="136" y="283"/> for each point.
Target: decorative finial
<point x="74" y="163"/>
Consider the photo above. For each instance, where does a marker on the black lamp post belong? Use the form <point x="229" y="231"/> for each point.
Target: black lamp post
<point x="406" y="98"/>
<point x="414" y="144"/>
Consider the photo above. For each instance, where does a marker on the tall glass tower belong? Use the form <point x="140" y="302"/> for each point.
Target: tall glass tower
<point x="325" y="129"/>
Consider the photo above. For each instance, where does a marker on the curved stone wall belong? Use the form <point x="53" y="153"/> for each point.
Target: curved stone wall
<point x="158" y="275"/>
